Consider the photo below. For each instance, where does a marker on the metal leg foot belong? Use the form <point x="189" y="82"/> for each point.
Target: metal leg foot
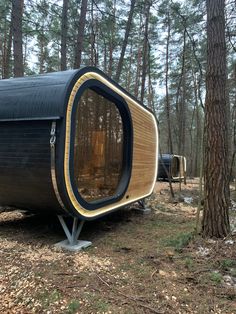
<point x="72" y="243"/>
<point x="143" y="209"/>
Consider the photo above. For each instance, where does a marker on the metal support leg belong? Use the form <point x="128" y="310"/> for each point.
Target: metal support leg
<point x="143" y="209"/>
<point x="72" y="243"/>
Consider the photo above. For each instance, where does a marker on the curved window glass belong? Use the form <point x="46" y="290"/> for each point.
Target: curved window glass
<point x="98" y="150"/>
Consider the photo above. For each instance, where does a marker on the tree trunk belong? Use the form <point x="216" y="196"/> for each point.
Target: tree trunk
<point x="137" y="75"/>
<point x="7" y="52"/>
<point x="216" y="169"/>
<point x="139" y="59"/>
<point x="112" y="32"/>
<point x="169" y="140"/>
<point x="233" y="144"/>
<point x="80" y="35"/>
<point x="151" y="104"/>
<point x="110" y="63"/>
<point x="42" y="51"/>
<point x="93" y="43"/>
<point x="129" y="75"/>
<point x="105" y="57"/>
<point x="64" y="31"/>
<point x="17" y="12"/>
<point x="145" y="50"/>
<point x="125" y="42"/>
<point x="181" y="103"/>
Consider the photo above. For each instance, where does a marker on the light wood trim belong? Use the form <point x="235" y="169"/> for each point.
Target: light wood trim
<point x="145" y="150"/>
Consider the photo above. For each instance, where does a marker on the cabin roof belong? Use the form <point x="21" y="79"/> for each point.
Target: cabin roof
<point x="35" y="97"/>
<point x="44" y="96"/>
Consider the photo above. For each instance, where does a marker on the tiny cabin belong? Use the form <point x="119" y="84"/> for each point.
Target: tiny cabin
<point x="171" y="165"/>
<point x="74" y="143"/>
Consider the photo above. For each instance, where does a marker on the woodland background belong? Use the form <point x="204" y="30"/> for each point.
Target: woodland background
<point x="159" y="51"/>
<point x="154" y="49"/>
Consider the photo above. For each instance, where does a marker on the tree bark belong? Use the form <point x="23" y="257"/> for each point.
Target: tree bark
<point x="137" y="75"/>
<point x="151" y="104"/>
<point x="17" y="12"/>
<point x="7" y="53"/>
<point x="169" y="140"/>
<point x="110" y="60"/>
<point x="129" y="72"/>
<point x="139" y="59"/>
<point x="42" y="51"/>
<point x="80" y="35"/>
<point x="216" y="169"/>
<point x="64" y="31"/>
<point x="105" y="57"/>
<point x="125" y="42"/>
<point x="233" y="123"/>
<point x="145" y="50"/>
<point x="181" y="102"/>
<point x="93" y="42"/>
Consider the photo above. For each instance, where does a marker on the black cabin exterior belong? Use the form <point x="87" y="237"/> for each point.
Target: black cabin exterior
<point x="46" y="165"/>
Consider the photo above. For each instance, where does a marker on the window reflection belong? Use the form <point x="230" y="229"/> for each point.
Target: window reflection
<point x="98" y="154"/>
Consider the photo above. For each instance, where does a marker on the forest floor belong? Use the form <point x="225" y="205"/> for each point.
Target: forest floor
<point x="137" y="263"/>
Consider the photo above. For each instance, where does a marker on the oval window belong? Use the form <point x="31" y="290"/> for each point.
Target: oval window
<point x="98" y="147"/>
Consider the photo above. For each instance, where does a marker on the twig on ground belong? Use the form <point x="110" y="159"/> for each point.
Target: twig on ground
<point x="67" y="274"/>
<point x="202" y="270"/>
<point x="154" y="272"/>
<point x="128" y="297"/>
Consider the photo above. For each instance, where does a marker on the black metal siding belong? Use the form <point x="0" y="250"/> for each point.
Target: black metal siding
<point x="31" y="97"/>
<point x="25" y="166"/>
<point x="165" y="159"/>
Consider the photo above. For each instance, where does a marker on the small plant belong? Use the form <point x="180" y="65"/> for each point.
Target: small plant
<point x="38" y="274"/>
<point x="189" y="263"/>
<point x="101" y="306"/>
<point x="216" y="277"/>
<point x="181" y="241"/>
<point x="73" y="307"/>
<point x="233" y="272"/>
<point x="49" y="297"/>
<point x="161" y="208"/>
<point x="228" y="263"/>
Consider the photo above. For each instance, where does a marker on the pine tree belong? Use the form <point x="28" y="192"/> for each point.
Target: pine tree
<point x="17" y="13"/>
<point x="216" y="171"/>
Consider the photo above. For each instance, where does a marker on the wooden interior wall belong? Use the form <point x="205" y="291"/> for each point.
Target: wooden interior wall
<point x="98" y="154"/>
